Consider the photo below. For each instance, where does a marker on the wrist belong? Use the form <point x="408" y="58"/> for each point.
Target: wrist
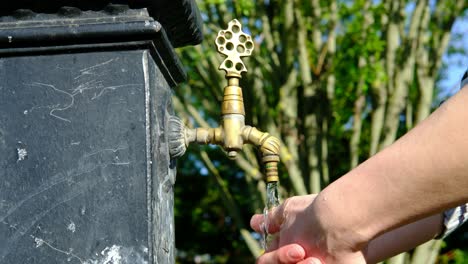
<point x="342" y="232"/>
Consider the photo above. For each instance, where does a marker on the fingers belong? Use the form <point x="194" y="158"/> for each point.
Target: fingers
<point x="289" y="254"/>
<point x="256" y="223"/>
<point x="274" y="220"/>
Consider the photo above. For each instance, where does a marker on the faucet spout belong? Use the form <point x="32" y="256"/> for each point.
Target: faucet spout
<point x="269" y="147"/>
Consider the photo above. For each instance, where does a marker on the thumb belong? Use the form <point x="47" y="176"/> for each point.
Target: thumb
<point x="289" y="254"/>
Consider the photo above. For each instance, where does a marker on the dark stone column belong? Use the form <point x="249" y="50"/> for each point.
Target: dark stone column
<point x="85" y="172"/>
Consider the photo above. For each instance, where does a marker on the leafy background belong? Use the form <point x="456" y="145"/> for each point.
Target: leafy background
<point x="336" y="81"/>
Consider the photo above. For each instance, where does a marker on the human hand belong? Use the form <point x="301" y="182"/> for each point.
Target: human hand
<point x="304" y="236"/>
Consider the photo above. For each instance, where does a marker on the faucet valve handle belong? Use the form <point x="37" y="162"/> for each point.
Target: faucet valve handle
<point x="234" y="44"/>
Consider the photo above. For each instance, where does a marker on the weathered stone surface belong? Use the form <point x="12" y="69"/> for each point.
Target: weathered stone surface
<point x="85" y="98"/>
<point x="84" y="164"/>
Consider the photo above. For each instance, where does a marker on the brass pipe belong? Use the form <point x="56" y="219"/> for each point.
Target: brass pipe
<point x="204" y="135"/>
<point x="233" y="117"/>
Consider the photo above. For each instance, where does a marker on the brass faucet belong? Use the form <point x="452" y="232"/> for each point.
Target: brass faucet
<point x="232" y="134"/>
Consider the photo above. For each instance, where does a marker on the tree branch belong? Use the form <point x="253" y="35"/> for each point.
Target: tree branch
<point x="403" y="78"/>
<point x="361" y="99"/>
<point x="231" y="205"/>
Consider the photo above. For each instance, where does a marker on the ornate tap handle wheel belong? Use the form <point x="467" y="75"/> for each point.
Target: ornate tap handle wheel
<point x="234" y="44"/>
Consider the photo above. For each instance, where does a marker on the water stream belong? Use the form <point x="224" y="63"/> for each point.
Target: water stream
<point x="272" y="200"/>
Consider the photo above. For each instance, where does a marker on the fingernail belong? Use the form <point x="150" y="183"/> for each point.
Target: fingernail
<point x="314" y="261"/>
<point x="295" y="253"/>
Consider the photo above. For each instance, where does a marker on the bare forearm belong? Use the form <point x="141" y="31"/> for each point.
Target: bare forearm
<point x="404" y="238"/>
<point x="423" y="173"/>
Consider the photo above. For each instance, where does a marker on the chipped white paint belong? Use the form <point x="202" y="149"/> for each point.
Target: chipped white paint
<point x="112" y="255"/>
<point x="144" y="249"/>
<point x="39" y="242"/>
<point x="22" y="154"/>
<point x="119" y="255"/>
<point x="71" y="227"/>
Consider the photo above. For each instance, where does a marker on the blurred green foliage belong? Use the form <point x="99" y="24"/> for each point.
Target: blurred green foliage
<point x="279" y="100"/>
